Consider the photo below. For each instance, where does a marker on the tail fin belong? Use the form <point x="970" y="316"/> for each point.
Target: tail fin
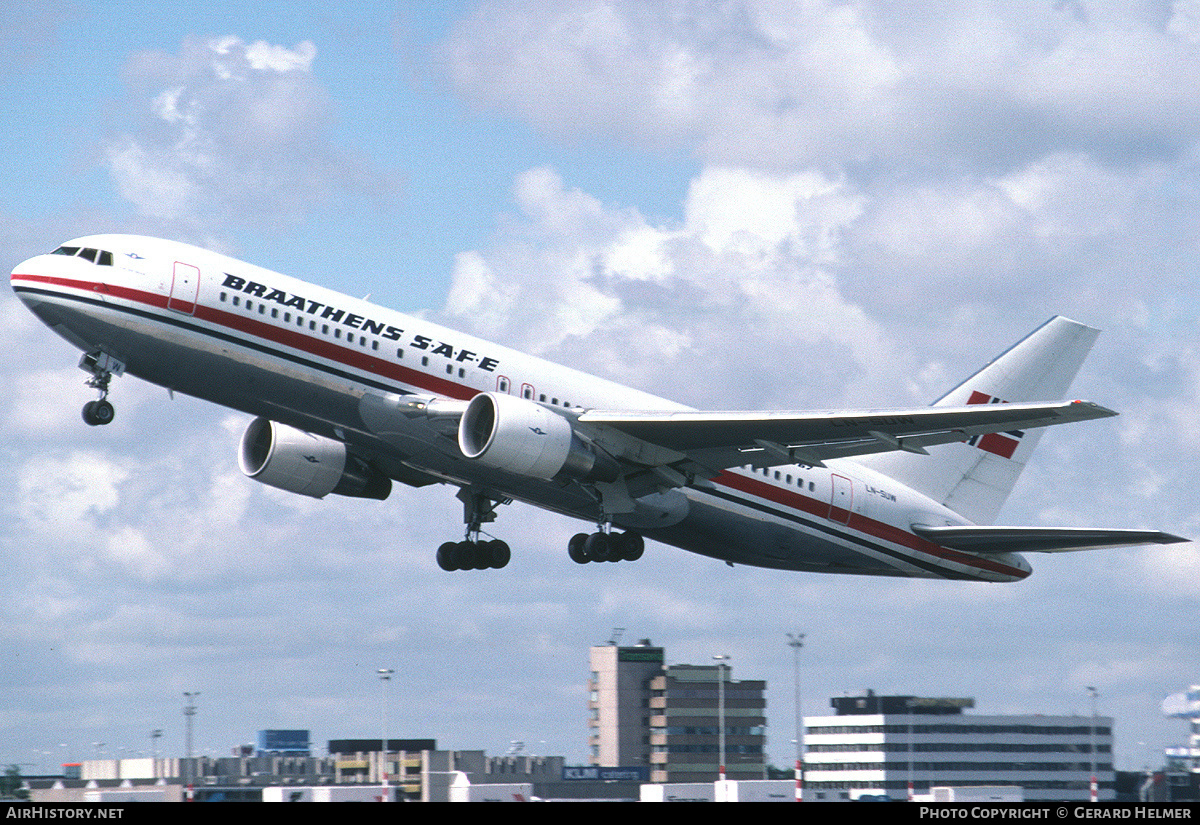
<point x="975" y="478"/>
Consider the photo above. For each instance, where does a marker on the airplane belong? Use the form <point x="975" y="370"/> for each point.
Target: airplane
<point x="348" y="397"/>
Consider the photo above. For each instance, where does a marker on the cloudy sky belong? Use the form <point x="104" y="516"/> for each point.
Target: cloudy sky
<point x="805" y="204"/>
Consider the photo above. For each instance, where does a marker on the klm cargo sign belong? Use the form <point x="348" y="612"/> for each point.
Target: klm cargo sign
<point x="594" y="773"/>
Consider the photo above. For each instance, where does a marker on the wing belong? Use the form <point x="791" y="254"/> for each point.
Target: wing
<point x="1038" y="539"/>
<point x="707" y="442"/>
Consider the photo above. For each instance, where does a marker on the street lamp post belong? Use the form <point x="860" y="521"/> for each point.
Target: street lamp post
<point x="189" y="711"/>
<point x="1094" y="786"/>
<point x="796" y="642"/>
<point x="908" y="707"/>
<point x="385" y="676"/>
<point x="155" y="735"/>
<point x="721" y="659"/>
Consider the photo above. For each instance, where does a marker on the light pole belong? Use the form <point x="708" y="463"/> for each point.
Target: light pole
<point x="721" y="659"/>
<point x="1095" y="789"/>
<point x="155" y="735"/>
<point x="908" y="707"/>
<point x="796" y="642"/>
<point x="385" y="676"/>
<point x="189" y="711"/>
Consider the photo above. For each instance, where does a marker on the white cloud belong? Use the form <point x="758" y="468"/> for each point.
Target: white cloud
<point x="604" y="289"/>
<point x="226" y="131"/>
<point x="784" y="85"/>
<point x="63" y="493"/>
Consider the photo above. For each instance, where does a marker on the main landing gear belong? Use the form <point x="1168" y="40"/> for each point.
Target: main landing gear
<point x="473" y="553"/>
<point x="477" y="553"/>
<point x="605" y="546"/>
<point x="102" y="367"/>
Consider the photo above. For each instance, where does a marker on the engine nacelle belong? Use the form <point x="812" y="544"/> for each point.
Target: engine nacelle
<point x="300" y="462"/>
<point x="522" y="437"/>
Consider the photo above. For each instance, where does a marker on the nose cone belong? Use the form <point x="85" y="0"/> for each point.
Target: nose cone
<point x="22" y="274"/>
<point x="26" y="278"/>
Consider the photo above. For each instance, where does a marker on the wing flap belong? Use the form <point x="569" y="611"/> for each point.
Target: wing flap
<point x="989" y="539"/>
<point x="731" y="439"/>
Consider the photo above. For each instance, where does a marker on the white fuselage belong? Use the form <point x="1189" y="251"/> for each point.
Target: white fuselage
<point x="244" y="337"/>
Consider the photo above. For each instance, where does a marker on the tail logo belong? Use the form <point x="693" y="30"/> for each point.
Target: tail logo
<point x="1001" y="444"/>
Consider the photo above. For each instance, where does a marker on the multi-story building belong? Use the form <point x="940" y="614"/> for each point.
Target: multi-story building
<point x="688" y="703"/>
<point x="619" y="703"/>
<point x="1185" y="705"/>
<point x="889" y="744"/>
<point x="667" y="718"/>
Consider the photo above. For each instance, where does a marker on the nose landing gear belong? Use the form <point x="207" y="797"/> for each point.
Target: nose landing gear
<point x="103" y="367"/>
<point x="97" y="413"/>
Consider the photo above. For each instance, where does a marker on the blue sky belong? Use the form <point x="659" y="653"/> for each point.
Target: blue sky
<point x="748" y="204"/>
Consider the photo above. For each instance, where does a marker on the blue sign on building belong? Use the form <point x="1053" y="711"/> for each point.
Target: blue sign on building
<point x="281" y="742"/>
<point x="595" y="773"/>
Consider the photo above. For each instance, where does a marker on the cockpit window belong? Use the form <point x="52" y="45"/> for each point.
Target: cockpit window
<point x="101" y="257"/>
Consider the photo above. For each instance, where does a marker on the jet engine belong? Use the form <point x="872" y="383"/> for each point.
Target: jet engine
<point x="520" y="436"/>
<point x="311" y="465"/>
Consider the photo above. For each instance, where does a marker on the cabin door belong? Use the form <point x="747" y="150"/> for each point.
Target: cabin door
<point x="841" y="500"/>
<point x="185" y="288"/>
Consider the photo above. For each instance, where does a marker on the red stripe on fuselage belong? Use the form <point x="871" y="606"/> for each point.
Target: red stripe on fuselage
<point x="282" y="335"/>
<point x="877" y="529"/>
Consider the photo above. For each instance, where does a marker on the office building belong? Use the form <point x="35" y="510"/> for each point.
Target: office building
<point x="666" y="719"/>
<point x="1185" y="705"/>
<point x="619" y="703"/>
<point x="879" y="745"/>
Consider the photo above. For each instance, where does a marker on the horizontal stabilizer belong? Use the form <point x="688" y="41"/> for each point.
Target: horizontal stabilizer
<point x="1038" y="539"/>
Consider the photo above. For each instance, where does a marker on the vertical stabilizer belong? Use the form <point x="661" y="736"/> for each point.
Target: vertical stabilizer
<point x="975" y="478"/>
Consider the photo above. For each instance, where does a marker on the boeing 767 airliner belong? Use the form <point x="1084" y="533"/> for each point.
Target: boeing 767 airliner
<point x="349" y="397"/>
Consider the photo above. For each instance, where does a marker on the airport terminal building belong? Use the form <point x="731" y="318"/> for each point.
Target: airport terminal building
<point x="878" y="745"/>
